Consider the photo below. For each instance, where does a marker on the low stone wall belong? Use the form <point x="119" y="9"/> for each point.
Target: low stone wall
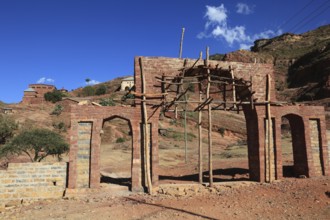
<point x="29" y="181"/>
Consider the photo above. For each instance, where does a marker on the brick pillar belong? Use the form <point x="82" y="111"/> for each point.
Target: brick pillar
<point x="278" y="148"/>
<point x="83" y="163"/>
<point x="253" y="143"/>
<point x="136" y="170"/>
<point x="95" y="154"/>
<point x="325" y="148"/>
<point x="310" y="172"/>
<point x="72" y="175"/>
<point x="261" y="146"/>
<point x="154" y="153"/>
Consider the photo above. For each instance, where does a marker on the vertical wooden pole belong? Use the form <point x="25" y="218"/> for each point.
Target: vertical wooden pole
<point x="200" y="142"/>
<point x="146" y="131"/>
<point x="209" y="118"/>
<point x="233" y="84"/>
<point x="181" y="43"/>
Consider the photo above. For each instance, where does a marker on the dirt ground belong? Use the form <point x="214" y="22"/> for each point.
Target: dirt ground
<point x="179" y="196"/>
<point x="287" y="199"/>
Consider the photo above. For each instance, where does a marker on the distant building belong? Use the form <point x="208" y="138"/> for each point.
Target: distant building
<point x="34" y="94"/>
<point x="127" y="83"/>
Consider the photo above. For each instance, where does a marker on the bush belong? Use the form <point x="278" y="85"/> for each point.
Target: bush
<point x="37" y="144"/>
<point x="54" y="96"/>
<point x="88" y="91"/>
<point x="7" y="128"/>
<point x="222" y="131"/>
<point x="60" y="126"/>
<point x="120" y="140"/>
<point x="127" y="96"/>
<point x="57" y="110"/>
<point x="107" y="102"/>
<point x="101" y="90"/>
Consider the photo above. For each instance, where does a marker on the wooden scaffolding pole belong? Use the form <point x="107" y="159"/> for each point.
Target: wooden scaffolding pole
<point x="145" y="132"/>
<point x="200" y="142"/>
<point x="181" y="43"/>
<point x="209" y="119"/>
<point x="233" y="85"/>
<point x="185" y="114"/>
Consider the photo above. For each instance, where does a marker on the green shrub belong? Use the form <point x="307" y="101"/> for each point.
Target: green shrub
<point x="88" y="91"/>
<point x="54" y="96"/>
<point x="222" y="131"/>
<point x="120" y="140"/>
<point x="101" y="90"/>
<point x="107" y="102"/>
<point x="57" y="110"/>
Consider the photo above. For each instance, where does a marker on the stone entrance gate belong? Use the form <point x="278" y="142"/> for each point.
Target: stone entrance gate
<point x="310" y="149"/>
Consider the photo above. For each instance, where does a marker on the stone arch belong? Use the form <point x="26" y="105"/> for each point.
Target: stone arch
<point x="87" y="136"/>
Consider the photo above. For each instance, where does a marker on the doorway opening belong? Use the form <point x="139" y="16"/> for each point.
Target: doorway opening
<point x="116" y="153"/>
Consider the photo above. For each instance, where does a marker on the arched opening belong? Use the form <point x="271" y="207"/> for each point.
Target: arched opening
<point x="116" y="152"/>
<point x="293" y="164"/>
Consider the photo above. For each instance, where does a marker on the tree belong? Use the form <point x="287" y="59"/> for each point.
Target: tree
<point x="101" y="90"/>
<point x="7" y="128"/>
<point x="37" y="144"/>
<point x="54" y="96"/>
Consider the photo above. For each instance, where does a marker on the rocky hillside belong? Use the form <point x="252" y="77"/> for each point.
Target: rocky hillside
<point x="302" y="63"/>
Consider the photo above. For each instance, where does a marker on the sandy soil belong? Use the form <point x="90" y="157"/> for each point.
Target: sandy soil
<point x="287" y="199"/>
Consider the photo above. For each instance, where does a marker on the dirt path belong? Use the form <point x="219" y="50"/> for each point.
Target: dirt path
<point x="287" y="199"/>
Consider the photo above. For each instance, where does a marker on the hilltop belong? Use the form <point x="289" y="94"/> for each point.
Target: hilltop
<point x="301" y="63"/>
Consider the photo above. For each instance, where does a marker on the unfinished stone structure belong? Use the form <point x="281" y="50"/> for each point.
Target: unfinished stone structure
<point x="160" y="86"/>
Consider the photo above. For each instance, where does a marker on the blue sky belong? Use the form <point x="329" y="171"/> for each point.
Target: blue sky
<point x="63" y="42"/>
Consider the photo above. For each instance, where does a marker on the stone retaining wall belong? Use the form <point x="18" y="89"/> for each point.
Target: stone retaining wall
<point x="29" y="181"/>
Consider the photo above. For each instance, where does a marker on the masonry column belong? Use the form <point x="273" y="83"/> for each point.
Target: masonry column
<point x="310" y="171"/>
<point x="253" y="143"/>
<point x="72" y="176"/>
<point x="136" y="169"/>
<point x="278" y="148"/>
<point x="325" y="147"/>
<point x="154" y="153"/>
<point x="95" y="154"/>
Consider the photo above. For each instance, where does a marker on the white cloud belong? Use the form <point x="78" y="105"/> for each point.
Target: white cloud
<point x="45" y="80"/>
<point x="92" y="82"/>
<point x="245" y="46"/>
<point x="244" y="9"/>
<point x="216" y="26"/>
<point x="216" y="15"/>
